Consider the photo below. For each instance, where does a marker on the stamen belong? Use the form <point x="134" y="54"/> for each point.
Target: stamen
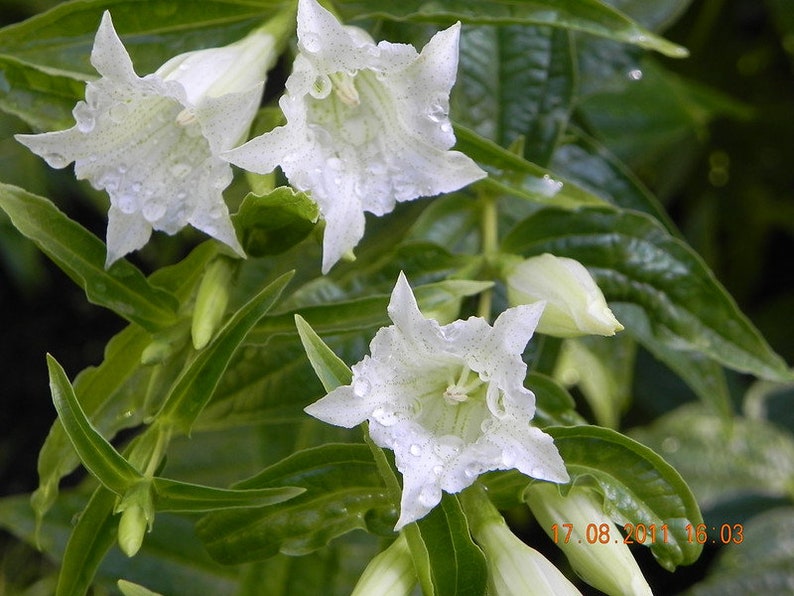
<point x="345" y="88"/>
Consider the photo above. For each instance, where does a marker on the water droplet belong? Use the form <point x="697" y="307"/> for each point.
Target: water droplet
<point x="217" y="211"/>
<point x="509" y="458"/>
<point x="181" y="195"/>
<point x="415" y="450"/>
<point x="384" y="416"/>
<point x="56" y="160"/>
<point x="436" y="112"/>
<point x="361" y="387"/>
<point x="635" y="74"/>
<point x="446" y="127"/>
<point x="118" y="112"/>
<point x="122" y="168"/>
<point x="86" y="125"/>
<point x="472" y="470"/>
<point x="334" y="163"/>
<point x="311" y="42"/>
<point x="180" y="170"/>
<point x="437" y="470"/>
<point x="430" y="496"/>
<point x="127" y="203"/>
<point x="153" y="210"/>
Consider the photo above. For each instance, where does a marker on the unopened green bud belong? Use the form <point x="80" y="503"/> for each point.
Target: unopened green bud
<point x="131" y="589"/>
<point x="211" y="301"/>
<point x="390" y="572"/>
<point x="574" y="303"/>
<point x="588" y="537"/>
<point x="137" y="516"/>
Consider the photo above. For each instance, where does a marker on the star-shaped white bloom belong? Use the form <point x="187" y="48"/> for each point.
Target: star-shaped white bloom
<point x="153" y="142"/>
<point x="367" y="125"/>
<point x="448" y="400"/>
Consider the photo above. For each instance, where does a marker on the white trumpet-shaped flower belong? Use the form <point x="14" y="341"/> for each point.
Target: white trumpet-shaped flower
<point x="152" y="142"/>
<point x="448" y="400"/>
<point x="367" y="125"/>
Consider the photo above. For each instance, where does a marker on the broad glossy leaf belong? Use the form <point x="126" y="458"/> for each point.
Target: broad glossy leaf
<point x="723" y="459"/>
<point x="98" y="456"/>
<point x="457" y="565"/>
<point x="634" y="260"/>
<point x="553" y="403"/>
<point x="195" y="386"/>
<point x="516" y="81"/>
<point x="762" y="563"/>
<point x="173" y="495"/>
<point x="590" y="16"/>
<point x="81" y="255"/>
<point x="344" y="492"/>
<point x="637" y="484"/>
<point x="275" y="222"/>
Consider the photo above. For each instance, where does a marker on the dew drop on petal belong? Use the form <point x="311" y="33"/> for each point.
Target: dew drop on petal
<point x="437" y="470"/>
<point x="311" y="42"/>
<point x="361" y="387"/>
<point x="153" y="210"/>
<point x="118" y="112"/>
<point x="472" y="470"/>
<point x="509" y="458"/>
<point x="436" y="112"/>
<point x="446" y="127"/>
<point x="127" y="203"/>
<point x="430" y="496"/>
<point x="56" y="160"/>
<point x="415" y="450"/>
<point x="384" y="416"/>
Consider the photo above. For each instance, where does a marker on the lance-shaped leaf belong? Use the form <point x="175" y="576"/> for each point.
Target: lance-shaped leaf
<point x="330" y="369"/>
<point x="81" y="255"/>
<point x="590" y="16"/>
<point x="98" y="456"/>
<point x="173" y="495"/>
<point x="635" y="260"/>
<point x="344" y="492"/>
<point x="193" y="389"/>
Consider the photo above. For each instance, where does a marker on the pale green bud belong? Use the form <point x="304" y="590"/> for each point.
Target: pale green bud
<point x="211" y="301"/>
<point x="131" y="589"/>
<point x="594" y="547"/>
<point x="390" y="572"/>
<point x="137" y="516"/>
<point x="574" y="303"/>
<point x="515" y="568"/>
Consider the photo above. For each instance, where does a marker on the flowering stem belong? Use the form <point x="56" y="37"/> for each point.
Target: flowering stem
<point x="490" y="246"/>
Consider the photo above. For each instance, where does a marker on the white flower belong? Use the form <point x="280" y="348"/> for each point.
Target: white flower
<point x="367" y="125"/>
<point x="607" y="565"/>
<point x="448" y="400"/>
<point x="152" y="143"/>
<point x="574" y="303"/>
<point x="390" y="572"/>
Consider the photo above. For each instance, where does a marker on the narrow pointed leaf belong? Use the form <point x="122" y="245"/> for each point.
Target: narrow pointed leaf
<point x="194" y="388"/>
<point x="172" y="495"/>
<point x="98" y="456"/>
<point x="330" y="369"/>
<point x="344" y="492"/>
<point x="81" y="255"/>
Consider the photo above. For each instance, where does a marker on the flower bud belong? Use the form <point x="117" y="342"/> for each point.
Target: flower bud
<point x="515" y="568"/>
<point x="574" y="304"/>
<point x="603" y="560"/>
<point x="137" y="515"/>
<point x="390" y="572"/>
<point x="211" y="301"/>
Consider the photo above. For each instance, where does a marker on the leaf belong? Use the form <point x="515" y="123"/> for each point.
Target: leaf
<point x="457" y="565"/>
<point x="723" y="460"/>
<point x="637" y="484"/>
<point x="131" y="589"/>
<point x="275" y="222"/>
<point x="81" y="255"/>
<point x="173" y="495"/>
<point x="98" y="456"/>
<point x="633" y="259"/>
<point x="516" y="82"/>
<point x="763" y="562"/>
<point x="328" y="367"/>
<point x="195" y="386"/>
<point x="344" y="492"/>
<point x="590" y="16"/>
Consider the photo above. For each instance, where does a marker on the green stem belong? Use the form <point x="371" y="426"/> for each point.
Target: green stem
<point x="490" y="247"/>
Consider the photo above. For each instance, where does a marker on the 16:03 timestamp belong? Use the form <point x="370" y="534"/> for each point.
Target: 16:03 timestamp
<point x="647" y="534"/>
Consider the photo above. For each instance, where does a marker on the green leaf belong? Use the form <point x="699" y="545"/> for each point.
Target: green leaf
<point x="98" y="456"/>
<point x="275" y="222"/>
<point x="329" y="368"/>
<point x="195" y="386"/>
<point x="761" y="563"/>
<point x="81" y="255"/>
<point x="131" y="589"/>
<point x="637" y="484"/>
<point x="457" y="565"/>
<point x="633" y="259"/>
<point x="516" y="82"/>
<point x="173" y="495"/>
<point x="344" y="492"/>
<point x="590" y="16"/>
<point x="723" y="459"/>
